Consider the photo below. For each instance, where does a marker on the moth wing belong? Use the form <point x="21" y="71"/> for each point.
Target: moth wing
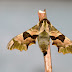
<point x="25" y="39"/>
<point x="63" y="43"/>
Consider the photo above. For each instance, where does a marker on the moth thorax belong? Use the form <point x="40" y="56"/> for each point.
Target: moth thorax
<point x="43" y="41"/>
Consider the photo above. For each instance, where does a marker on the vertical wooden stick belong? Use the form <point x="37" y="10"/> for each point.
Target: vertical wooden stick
<point x="47" y="58"/>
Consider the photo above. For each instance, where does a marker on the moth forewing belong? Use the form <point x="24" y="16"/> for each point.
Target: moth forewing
<point x="63" y="43"/>
<point x="25" y="39"/>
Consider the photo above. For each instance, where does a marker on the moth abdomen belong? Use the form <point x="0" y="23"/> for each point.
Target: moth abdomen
<point x="43" y="41"/>
<point x="44" y="53"/>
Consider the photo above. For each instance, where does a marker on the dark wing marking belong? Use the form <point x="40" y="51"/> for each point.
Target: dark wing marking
<point x="63" y="43"/>
<point x="60" y="37"/>
<point x="25" y="39"/>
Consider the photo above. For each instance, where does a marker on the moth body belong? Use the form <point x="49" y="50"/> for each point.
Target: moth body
<point x="43" y="41"/>
<point x="43" y="37"/>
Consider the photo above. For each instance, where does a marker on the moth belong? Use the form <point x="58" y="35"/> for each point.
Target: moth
<point x="42" y="32"/>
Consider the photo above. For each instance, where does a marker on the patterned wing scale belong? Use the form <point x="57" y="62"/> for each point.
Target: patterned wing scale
<point x="25" y="39"/>
<point x="63" y="43"/>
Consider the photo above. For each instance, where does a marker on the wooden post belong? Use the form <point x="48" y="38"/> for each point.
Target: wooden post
<point x="47" y="58"/>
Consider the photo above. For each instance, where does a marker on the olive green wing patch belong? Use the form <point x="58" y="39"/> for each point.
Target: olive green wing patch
<point x="63" y="43"/>
<point x="25" y="39"/>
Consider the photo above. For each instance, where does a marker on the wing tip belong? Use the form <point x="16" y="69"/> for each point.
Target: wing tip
<point x="16" y="45"/>
<point x="66" y="50"/>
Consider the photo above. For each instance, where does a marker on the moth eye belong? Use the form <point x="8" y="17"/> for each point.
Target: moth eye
<point x="42" y="21"/>
<point x="48" y="22"/>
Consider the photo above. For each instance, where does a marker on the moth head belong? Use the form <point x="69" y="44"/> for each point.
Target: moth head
<point x="44" y="25"/>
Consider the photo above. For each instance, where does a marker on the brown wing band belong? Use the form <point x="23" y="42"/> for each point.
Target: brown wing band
<point x="26" y="35"/>
<point x="60" y="37"/>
